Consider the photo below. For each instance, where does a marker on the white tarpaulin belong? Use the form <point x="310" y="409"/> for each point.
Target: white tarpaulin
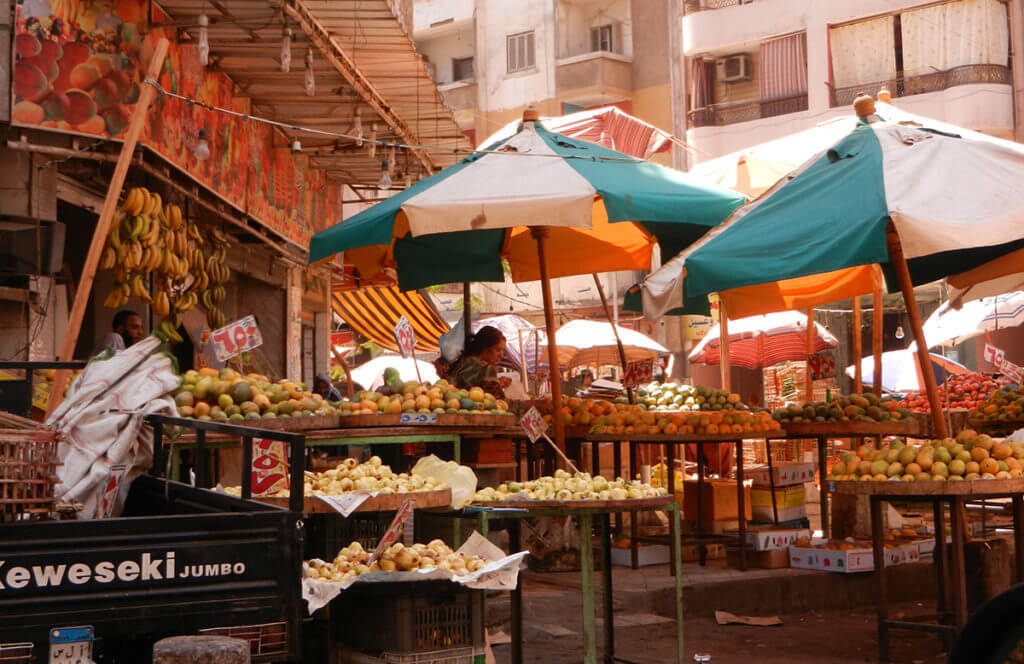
<point x="950" y="326"/>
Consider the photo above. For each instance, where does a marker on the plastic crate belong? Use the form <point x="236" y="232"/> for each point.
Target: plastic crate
<point x="264" y="640"/>
<point x="406" y="618"/>
<point x="449" y="656"/>
<point x="16" y="653"/>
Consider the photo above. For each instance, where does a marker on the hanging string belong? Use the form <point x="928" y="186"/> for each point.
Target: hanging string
<point x="392" y="144"/>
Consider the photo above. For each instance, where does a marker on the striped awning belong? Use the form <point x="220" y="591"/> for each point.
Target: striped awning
<point x="373" y="313"/>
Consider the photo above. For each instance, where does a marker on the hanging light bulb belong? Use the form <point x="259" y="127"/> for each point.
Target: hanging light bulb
<point x="201" y="149"/>
<point x="286" y="49"/>
<point x="899" y="332"/>
<point x="385" y="176"/>
<point x="296" y="146"/>
<point x="357" y="129"/>
<point x="204" y="39"/>
<point x="372" y="147"/>
<point x="310" y="82"/>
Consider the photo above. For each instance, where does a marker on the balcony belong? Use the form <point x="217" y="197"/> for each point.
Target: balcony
<point x="934" y="82"/>
<point x="459" y="95"/>
<point x="594" y="78"/>
<point x="718" y="115"/>
<point x="694" y="6"/>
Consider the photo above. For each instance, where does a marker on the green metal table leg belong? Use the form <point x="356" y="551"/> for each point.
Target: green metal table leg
<point x="457" y="448"/>
<point x="677" y="565"/>
<point x="587" y="583"/>
<point x="175" y="463"/>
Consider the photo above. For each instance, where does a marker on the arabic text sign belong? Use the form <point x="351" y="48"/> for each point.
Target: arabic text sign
<point x="392" y="532"/>
<point x="533" y="424"/>
<point x="269" y="468"/>
<point x="638" y="373"/>
<point x="238" y="337"/>
<point x="405" y="336"/>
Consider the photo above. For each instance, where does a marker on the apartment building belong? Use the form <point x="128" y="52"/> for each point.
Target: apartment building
<point x="492" y="58"/>
<point x="761" y="69"/>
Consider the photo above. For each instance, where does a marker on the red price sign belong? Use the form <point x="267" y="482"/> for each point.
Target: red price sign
<point x="405" y="336"/>
<point x="638" y="373"/>
<point x="391" y="535"/>
<point x="994" y="355"/>
<point x="238" y="337"/>
<point x="269" y="468"/>
<point x="822" y="366"/>
<point x="533" y="424"/>
<point x="1012" y="371"/>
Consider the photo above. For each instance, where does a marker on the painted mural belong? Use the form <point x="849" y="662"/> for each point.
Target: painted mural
<point x="79" y="66"/>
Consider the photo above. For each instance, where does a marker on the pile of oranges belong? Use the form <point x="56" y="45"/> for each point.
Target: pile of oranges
<point x="606" y="417"/>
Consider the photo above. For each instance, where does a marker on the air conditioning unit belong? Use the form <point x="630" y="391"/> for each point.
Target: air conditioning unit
<point x="734" y="68"/>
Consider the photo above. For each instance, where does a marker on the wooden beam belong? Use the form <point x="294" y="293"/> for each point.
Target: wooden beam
<point x="877" y="327"/>
<point x="107" y="214"/>
<point x="858" y="378"/>
<point x="724" y="368"/>
<point x="540" y="234"/>
<point x="810" y="351"/>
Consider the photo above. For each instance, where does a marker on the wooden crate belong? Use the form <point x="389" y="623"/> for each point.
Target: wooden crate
<point x="28" y="468"/>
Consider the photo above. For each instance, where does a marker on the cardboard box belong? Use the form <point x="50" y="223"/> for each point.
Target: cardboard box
<point x="786" y="474"/>
<point x="766" y="515"/>
<point x="773" y="559"/>
<point x="718" y="502"/>
<point x="773" y="539"/>
<point x="647" y="554"/>
<point x="690" y="553"/>
<point x="849" y="561"/>
<point x="790" y="496"/>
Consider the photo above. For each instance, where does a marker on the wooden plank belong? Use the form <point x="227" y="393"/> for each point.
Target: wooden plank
<point x="991" y="426"/>
<point x="974" y="488"/>
<point x="444" y="419"/>
<point x="380" y="503"/>
<point x="656" y="501"/>
<point x="847" y="429"/>
<point x="676" y="437"/>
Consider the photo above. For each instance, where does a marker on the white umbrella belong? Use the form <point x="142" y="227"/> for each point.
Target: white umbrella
<point x="902" y="373"/>
<point x="950" y="326"/>
<point x="371" y="374"/>
<point x="587" y="342"/>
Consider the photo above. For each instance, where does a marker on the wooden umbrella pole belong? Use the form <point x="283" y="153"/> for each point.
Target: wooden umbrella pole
<point x="899" y="262"/>
<point x="877" y="326"/>
<point x="723" y="346"/>
<point x="858" y="385"/>
<point x="522" y="362"/>
<point x="810" y="352"/>
<point x="467" y="314"/>
<point x="540" y="235"/>
<point x="615" y="331"/>
<point x="349" y="383"/>
<point x="83" y="290"/>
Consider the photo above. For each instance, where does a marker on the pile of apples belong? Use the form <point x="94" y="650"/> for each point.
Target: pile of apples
<point x="969" y="456"/>
<point x="354" y="560"/>
<point x="565" y="487"/>
<point x="351" y="475"/>
<point x="962" y="391"/>
<point x="413" y="397"/>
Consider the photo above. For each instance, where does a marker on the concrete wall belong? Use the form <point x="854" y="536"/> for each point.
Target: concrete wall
<point x="440" y="50"/>
<point x="577" y="18"/>
<point x="427" y="13"/>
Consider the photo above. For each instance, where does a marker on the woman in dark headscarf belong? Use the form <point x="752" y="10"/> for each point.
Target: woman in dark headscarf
<point x="476" y="367"/>
<point x="323" y="386"/>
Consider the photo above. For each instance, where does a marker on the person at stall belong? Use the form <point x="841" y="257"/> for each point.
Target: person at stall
<point x="477" y="366"/>
<point x="127" y="330"/>
<point x="323" y="386"/>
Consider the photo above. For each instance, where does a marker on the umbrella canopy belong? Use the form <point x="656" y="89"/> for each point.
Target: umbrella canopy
<point x="457" y="225"/>
<point x="371" y="374"/>
<point x="1002" y="275"/>
<point x="950" y="326"/>
<point x="588" y="342"/>
<point x="902" y="373"/>
<point x="761" y="341"/>
<point x="954" y="196"/>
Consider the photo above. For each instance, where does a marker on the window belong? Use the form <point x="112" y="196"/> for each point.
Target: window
<point x="601" y="38"/>
<point x="520" y="51"/>
<point x="462" y="69"/>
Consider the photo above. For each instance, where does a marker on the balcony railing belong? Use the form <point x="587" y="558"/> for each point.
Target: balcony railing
<point x="717" y="115"/>
<point x="916" y="85"/>
<point x="694" y="6"/>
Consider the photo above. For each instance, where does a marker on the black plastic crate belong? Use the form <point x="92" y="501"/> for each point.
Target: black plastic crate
<point x="408" y="617"/>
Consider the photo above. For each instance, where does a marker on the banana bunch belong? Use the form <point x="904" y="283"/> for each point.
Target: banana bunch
<point x="213" y="293"/>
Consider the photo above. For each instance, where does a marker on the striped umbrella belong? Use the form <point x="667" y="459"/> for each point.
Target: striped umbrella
<point x="761" y="341"/>
<point x="950" y="325"/>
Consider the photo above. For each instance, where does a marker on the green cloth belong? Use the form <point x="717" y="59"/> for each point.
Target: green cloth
<point x="831" y="216"/>
<point x="470" y="372"/>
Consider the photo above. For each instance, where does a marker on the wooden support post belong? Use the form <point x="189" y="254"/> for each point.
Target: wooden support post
<point x="899" y="262"/>
<point x="348" y="374"/>
<point x="540" y="235"/>
<point x="615" y="331"/>
<point x="858" y="377"/>
<point x="467" y="313"/>
<point x="877" y="326"/>
<point x="723" y="345"/>
<point x="107" y="213"/>
<point x="810" y="352"/>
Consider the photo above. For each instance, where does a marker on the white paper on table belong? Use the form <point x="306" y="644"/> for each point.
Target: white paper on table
<point x="500" y="572"/>
<point x="348" y="502"/>
<point x="1016" y="437"/>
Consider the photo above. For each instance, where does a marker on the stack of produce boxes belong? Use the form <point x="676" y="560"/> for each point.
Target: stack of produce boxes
<point x="790" y="495"/>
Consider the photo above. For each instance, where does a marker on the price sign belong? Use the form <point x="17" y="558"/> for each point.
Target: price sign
<point x="533" y="424"/>
<point x="40" y="394"/>
<point x="405" y="336"/>
<point x="236" y="338"/>
<point x="391" y="535"/>
<point x="269" y="468"/>
<point x="822" y="366"/>
<point x="638" y="373"/>
<point x="109" y="498"/>
<point x="994" y="355"/>
<point x="417" y="418"/>
<point x="1012" y="371"/>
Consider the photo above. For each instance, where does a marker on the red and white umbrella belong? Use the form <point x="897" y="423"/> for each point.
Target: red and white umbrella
<point x="761" y="341"/>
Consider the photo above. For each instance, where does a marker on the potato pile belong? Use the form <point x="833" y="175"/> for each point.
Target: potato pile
<point x="354" y="560"/>
<point x="566" y="487"/>
<point x="351" y="475"/>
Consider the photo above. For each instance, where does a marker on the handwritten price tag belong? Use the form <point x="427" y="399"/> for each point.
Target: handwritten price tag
<point x="533" y="424"/>
<point x="822" y="366"/>
<point x="347" y="503"/>
<point x="238" y="337"/>
<point x="405" y="336"/>
<point x="269" y="468"/>
<point x="109" y="498"/>
<point x="994" y="355"/>
<point x="417" y="418"/>
<point x="1012" y="371"/>
<point x="638" y="373"/>
<point x="391" y="535"/>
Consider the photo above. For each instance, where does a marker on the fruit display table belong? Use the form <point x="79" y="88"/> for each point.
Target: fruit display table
<point x="670" y="442"/>
<point x="822" y="431"/>
<point x="507" y="514"/>
<point x="1000" y="427"/>
<point x="949" y="557"/>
